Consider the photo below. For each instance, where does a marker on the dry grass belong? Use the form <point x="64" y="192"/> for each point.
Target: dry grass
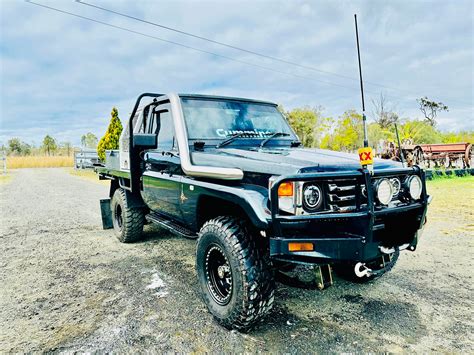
<point x="88" y="174"/>
<point x="39" y="162"/>
<point x="4" y="178"/>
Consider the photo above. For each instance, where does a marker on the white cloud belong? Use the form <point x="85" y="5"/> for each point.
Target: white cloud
<point x="61" y="75"/>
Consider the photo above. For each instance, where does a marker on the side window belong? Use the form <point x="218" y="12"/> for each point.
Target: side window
<point x="165" y="127"/>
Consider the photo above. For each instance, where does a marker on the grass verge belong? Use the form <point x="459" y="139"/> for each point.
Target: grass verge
<point x="452" y="196"/>
<point x="87" y="174"/>
<point x="4" y="178"/>
<point x="39" y="162"/>
<point x="440" y="179"/>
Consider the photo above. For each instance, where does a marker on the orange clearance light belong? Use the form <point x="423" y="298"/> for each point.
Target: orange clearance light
<point x="285" y="189"/>
<point x="300" y="246"/>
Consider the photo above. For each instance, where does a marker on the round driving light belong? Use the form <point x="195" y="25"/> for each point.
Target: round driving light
<point x="384" y="191"/>
<point x="396" y="185"/>
<point x="415" y="187"/>
<point x="312" y="197"/>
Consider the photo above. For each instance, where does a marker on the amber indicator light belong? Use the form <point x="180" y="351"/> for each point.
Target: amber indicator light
<point x="294" y="246"/>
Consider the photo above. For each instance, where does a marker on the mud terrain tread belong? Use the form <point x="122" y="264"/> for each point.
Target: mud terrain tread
<point x="258" y="281"/>
<point x="133" y="219"/>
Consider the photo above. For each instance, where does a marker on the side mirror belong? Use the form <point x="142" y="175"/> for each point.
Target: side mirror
<point x="145" y="140"/>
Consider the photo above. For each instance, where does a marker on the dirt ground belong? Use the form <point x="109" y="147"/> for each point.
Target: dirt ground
<point x="68" y="285"/>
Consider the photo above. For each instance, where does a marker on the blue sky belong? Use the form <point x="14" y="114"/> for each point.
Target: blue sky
<point x="61" y="75"/>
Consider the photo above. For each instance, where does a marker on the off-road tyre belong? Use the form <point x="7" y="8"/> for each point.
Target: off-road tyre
<point x="128" y="222"/>
<point x="252" y="282"/>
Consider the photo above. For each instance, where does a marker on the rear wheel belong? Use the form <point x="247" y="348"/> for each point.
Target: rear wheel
<point x="128" y="222"/>
<point x="234" y="275"/>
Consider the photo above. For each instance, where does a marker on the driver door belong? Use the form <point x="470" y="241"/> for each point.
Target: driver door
<point x="162" y="177"/>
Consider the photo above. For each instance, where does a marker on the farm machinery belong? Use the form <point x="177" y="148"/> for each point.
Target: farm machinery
<point x="449" y="155"/>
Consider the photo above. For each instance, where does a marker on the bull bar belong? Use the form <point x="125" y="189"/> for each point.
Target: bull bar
<point x="355" y="236"/>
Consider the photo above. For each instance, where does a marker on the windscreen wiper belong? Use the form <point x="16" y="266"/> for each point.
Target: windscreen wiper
<point x="231" y="139"/>
<point x="274" y="135"/>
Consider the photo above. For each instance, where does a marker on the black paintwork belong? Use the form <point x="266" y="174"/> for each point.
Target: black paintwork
<point x="159" y="182"/>
<point x="284" y="160"/>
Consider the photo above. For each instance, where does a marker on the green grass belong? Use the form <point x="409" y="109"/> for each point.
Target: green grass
<point x="467" y="179"/>
<point x="452" y="196"/>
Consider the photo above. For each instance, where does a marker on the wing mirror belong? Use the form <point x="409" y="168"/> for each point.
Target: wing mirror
<point x="145" y="140"/>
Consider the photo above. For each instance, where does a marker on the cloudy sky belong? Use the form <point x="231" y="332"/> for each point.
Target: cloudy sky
<point x="61" y="75"/>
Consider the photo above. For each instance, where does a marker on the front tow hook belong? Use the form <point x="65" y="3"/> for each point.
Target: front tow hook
<point x="361" y="270"/>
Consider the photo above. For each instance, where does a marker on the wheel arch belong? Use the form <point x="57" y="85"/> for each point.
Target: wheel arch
<point x="133" y="199"/>
<point x="210" y="205"/>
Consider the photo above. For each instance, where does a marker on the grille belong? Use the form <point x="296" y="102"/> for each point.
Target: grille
<point x="342" y="195"/>
<point x="350" y="194"/>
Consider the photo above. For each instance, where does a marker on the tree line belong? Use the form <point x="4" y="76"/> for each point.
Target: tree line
<point x="315" y="130"/>
<point x="49" y="146"/>
<point x="345" y="133"/>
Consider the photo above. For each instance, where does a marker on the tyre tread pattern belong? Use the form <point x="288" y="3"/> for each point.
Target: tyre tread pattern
<point x="133" y="220"/>
<point x="255" y="267"/>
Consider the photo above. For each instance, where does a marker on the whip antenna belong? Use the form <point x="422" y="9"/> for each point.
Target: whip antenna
<point x="364" y="119"/>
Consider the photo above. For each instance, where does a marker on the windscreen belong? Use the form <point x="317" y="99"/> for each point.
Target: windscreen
<point x="219" y="119"/>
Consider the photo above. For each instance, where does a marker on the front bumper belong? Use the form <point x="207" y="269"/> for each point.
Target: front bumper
<point x="347" y="237"/>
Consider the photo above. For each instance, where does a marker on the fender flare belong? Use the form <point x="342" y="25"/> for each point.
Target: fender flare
<point x="252" y="201"/>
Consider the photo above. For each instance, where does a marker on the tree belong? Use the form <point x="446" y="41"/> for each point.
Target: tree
<point x="89" y="140"/>
<point x="430" y="109"/>
<point x="49" y="144"/>
<point x="348" y="133"/>
<point x="309" y="124"/>
<point x="25" y="148"/>
<point x="14" y="145"/>
<point x="383" y="114"/>
<point x="17" y="147"/>
<point x="67" y="146"/>
<point x="112" y="136"/>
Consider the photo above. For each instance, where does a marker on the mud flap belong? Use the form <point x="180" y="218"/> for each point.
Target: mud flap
<point x="106" y="213"/>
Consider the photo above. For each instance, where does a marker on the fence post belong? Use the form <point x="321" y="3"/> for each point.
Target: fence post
<point x="4" y="158"/>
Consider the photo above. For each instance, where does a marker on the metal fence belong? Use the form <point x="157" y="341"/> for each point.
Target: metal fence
<point x="85" y="158"/>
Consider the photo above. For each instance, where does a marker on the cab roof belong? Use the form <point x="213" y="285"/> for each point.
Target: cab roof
<point x="215" y="97"/>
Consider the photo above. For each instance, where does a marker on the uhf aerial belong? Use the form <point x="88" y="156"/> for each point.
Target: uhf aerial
<point x="365" y="153"/>
<point x="364" y="119"/>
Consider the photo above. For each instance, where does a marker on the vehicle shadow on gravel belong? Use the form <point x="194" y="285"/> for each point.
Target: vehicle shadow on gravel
<point x="337" y="318"/>
<point x="340" y="318"/>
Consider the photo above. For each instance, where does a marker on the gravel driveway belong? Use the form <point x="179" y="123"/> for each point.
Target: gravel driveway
<point x="68" y="285"/>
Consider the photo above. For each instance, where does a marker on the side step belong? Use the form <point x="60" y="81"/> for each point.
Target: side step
<point x="170" y="225"/>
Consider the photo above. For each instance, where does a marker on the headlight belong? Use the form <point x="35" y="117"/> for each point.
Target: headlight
<point x="312" y="197"/>
<point x="396" y="185"/>
<point x="384" y="191"/>
<point x="415" y="187"/>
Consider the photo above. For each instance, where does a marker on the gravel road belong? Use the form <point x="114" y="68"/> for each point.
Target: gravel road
<point x="68" y="285"/>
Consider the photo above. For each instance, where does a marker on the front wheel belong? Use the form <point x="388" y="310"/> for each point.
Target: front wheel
<point x="234" y="275"/>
